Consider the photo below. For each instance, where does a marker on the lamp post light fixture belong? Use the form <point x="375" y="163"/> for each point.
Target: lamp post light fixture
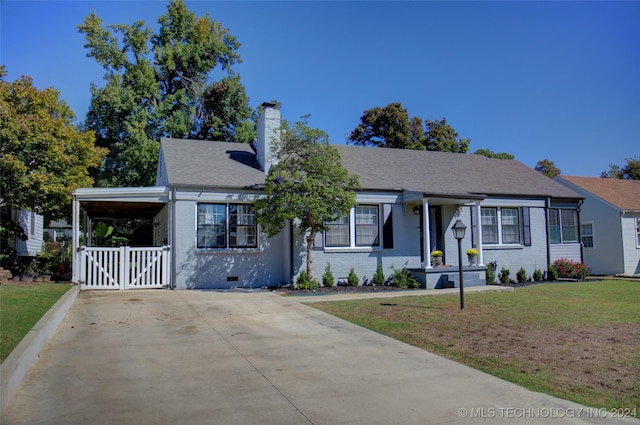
<point x="458" y="230"/>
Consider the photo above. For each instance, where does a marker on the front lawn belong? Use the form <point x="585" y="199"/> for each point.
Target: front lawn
<point x="577" y="341"/>
<point x="21" y="306"/>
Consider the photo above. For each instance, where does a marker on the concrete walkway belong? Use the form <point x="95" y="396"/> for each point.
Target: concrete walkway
<point x="196" y="357"/>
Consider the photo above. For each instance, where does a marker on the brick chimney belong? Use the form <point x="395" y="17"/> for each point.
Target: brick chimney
<point x="268" y="135"/>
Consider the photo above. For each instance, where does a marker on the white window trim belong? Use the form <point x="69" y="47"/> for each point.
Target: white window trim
<point x="593" y="234"/>
<point x="562" y="241"/>
<point x="500" y="243"/>
<point x="352" y="233"/>
<point x="225" y="250"/>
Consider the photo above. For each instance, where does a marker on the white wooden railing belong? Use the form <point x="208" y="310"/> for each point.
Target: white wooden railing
<point x="124" y="267"/>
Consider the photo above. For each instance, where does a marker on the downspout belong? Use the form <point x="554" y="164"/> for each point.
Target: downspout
<point x="580" y="231"/>
<point x="172" y="236"/>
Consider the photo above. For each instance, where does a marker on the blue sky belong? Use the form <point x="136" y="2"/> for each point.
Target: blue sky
<point x="556" y="80"/>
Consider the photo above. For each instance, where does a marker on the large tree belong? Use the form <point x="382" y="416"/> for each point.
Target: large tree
<point x="161" y="85"/>
<point x="629" y="171"/>
<point x="441" y="137"/>
<point x="391" y="127"/>
<point x="43" y="156"/>
<point x="495" y="155"/>
<point x="307" y="184"/>
<point x="548" y="168"/>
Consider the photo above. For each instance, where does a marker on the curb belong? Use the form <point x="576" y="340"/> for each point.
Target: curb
<point x="17" y="365"/>
<point x="310" y="299"/>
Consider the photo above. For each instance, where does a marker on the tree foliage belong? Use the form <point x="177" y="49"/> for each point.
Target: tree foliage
<point x="548" y="168"/>
<point x="159" y="85"/>
<point x="629" y="171"/>
<point x="495" y="155"/>
<point x="391" y="127"/>
<point x="43" y="156"/>
<point x="308" y="184"/>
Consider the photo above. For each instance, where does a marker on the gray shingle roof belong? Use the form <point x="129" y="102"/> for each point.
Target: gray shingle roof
<point x="210" y="164"/>
<point x="234" y="165"/>
<point x="447" y="173"/>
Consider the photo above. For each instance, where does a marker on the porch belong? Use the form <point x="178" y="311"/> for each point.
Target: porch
<point x="449" y="276"/>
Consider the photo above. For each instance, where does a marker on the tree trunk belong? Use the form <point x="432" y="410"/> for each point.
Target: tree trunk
<point x="310" y="238"/>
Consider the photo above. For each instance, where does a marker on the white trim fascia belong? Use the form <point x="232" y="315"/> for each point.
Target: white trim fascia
<point x="378" y="198"/>
<point x="138" y="194"/>
<point x="513" y="202"/>
<point x="204" y="196"/>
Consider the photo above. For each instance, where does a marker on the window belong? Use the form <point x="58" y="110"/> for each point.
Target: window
<point x="638" y="232"/>
<point x="32" y="223"/>
<point x="489" y="225"/>
<point x="510" y="225"/>
<point x="586" y="233"/>
<point x="227" y="226"/>
<point x="563" y="225"/>
<point x="362" y="225"/>
<point x="367" y="225"/>
<point x="338" y="233"/>
<point x="242" y="226"/>
<point x="500" y="225"/>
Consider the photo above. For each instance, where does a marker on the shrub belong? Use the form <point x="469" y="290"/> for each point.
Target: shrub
<point x="378" y="277"/>
<point x="327" y="278"/>
<point x="552" y="273"/>
<point x="491" y="273"/>
<point x="570" y="269"/>
<point x="521" y="276"/>
<point x="402" y="278"/>
<point x="503" y="276"/>
<point x="45" y="263"/>
<point x="303" y="282"/>
<point x="537" y="275"/>
<point x="352" y="279"/>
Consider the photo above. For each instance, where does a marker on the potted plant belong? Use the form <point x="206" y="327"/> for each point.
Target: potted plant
<point x="472" y="256"/>
<point x="436" y="256"/>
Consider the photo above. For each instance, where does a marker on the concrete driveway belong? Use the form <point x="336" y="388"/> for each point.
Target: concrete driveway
<point x="196" y="357"/>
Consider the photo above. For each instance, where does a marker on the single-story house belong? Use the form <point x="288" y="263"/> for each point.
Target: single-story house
<point x="609" y="222"/>
<point x="206" y="236"/>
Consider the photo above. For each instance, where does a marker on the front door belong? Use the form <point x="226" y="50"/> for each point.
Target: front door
<point x="435" y="230"/>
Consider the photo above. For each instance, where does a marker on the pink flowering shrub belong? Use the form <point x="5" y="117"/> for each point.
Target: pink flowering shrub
<point x="570" y="269"/>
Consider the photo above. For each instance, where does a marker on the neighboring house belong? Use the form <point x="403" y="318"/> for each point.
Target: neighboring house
<point x="609" y="222"/>
<point x="57" y="231"/>
<point x="32" y="224"/>
<point x="203" y="216"/>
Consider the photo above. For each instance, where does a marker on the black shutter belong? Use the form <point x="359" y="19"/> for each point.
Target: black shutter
<point x="474" y="226"/>
<point x="387" y="227"/>
<point x="526" y="226"/>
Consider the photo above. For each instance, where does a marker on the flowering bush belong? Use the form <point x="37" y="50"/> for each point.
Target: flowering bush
<point x="570" y="269"/>
<point x="436" y="253"/>
<point x="472" y="252"/>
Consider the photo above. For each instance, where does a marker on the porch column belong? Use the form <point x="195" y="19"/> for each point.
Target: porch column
<point x="75" y="235"/>
<point x="426" y="234"/>
<point x="479" y="234"/>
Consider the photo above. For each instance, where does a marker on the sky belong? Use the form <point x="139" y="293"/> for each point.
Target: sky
<point x="554" y="80"/>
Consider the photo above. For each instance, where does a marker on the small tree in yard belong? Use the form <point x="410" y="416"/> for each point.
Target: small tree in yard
<point x="307" y="184"/>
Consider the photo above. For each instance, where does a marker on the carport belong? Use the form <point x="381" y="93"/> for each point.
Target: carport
<point x="121" y="267"/>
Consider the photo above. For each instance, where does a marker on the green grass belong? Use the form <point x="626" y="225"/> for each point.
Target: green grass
<point x="578" y="341"/>
<point x="20" y="309"/>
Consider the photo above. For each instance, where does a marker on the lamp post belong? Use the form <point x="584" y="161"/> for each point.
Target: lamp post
<point x="458" y="232"/>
